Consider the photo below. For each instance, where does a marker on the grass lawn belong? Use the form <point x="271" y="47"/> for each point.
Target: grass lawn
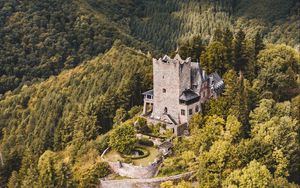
<point x="147" y="160"/>
<point x="115" y="156"/>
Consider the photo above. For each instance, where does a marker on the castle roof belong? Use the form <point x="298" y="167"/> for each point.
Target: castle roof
<point x="217" y="83"/>
<point x="188" y="95"/>
<point x="150" y="92"/>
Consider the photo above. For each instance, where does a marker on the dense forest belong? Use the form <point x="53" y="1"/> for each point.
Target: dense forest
<point x="41" y="38"/>
<point x="250" y="136"/>
<point x="67" y="75"/>
<point x="66" y="112"/>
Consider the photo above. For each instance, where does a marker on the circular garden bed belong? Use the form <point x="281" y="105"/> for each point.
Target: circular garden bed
<point x="137" y="153"/>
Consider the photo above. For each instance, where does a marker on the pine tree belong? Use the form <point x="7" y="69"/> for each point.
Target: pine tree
<point x="239" y="45"/>
<point x="14" y="181"/>
<point x="258" y="44"/>
<point x="227" y="42"/>
<point x="239" y="107"/>
<point x="28" y="174"/>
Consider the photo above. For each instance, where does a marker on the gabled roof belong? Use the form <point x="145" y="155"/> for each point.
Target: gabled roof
<point x="188" y="95"/>
<point x="150" y="92"/>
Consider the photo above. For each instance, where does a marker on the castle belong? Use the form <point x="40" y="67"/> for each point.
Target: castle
<point x="179" y="88"/>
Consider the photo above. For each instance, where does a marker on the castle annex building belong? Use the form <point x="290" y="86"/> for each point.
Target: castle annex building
<point x="179" y="89"/>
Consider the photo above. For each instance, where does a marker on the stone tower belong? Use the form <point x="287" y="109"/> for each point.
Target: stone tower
<point x="179" y="88"/>
<point x="171" y="78"/>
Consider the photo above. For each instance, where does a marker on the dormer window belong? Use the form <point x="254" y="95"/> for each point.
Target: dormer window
<point x="164" y="90"/>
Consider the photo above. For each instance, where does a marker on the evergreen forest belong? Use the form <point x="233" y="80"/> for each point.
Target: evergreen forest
<point x="72" y="73"/>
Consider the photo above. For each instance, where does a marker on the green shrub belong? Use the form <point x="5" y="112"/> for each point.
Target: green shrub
<point x="146" y="153"/>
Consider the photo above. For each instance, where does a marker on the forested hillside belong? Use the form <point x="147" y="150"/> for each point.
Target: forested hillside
<point x="69" y="110"/>
<point x="41" y="38"/>
<point x="165" y="22"/>
<point x="66" y="77"/>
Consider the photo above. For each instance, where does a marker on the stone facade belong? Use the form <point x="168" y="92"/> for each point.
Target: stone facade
<point x="179" y="88"/>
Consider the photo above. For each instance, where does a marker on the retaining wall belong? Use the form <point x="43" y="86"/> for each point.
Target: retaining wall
<point x="131" y="171"/>
<point x="142" y="183"/>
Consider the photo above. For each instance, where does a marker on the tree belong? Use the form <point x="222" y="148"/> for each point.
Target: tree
<point x="167" y="184"/>
<point x="47" y="176"/>
<point x="239" y="51"/>
<point x="123" y="138"/>
<point x="28" y="173"/>
<point x="192" y="47"/>
<point x="214" y="58"/>
<point x="14" y="181"/>
<point x="258" y="44"/>
<point x="90" y="177"/>
<point x="87" y="123"/>
<point x="272" y="124"/>
<point x="218" y="35"/>
<point x="121" y="116"/>
<point x="227" y="42"/>
<point x="240" y="103"/>
<point x="202" y="139"/>
<point x="278" y="66"/>
<point x="281" y="164"/>
<point x="233" y="129"/>
<point x="184" y="184"/>
<point x="213" y="164"/>
<point x="254" y="175"/>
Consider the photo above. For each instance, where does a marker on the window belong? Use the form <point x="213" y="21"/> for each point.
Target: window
<point x="149" y="97"/>
<point x="190" y="111"/>
<point x="183" y="112"/>
<point x="163" y="77"/>
<point x="197" y="108"/>
<point x="166" y="110"/>
<point x="164" y="90"/>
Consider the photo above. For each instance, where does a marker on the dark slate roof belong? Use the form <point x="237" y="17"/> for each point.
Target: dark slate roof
<point x="188" y="95"/>
<point x="150" y="92"/>
<point x="166" y="145"/>
<point x="217" y="83"/>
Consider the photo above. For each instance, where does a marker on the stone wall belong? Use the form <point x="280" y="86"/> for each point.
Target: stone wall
<point x="142" y="183"/>
<point x="131" y="171"/>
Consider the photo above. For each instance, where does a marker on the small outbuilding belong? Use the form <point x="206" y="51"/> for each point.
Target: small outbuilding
<point x="165" y="148"/>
